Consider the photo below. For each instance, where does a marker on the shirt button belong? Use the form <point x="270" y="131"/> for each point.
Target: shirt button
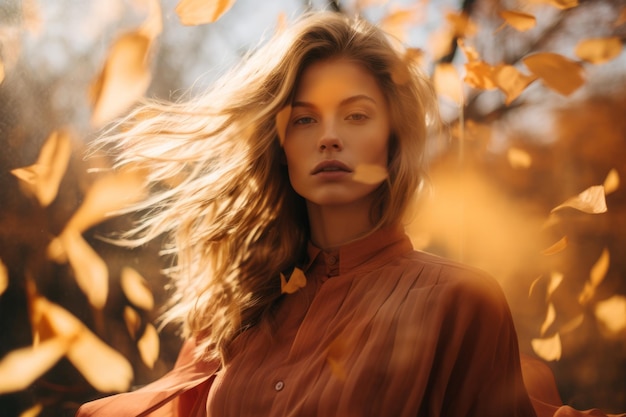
<point x="332" y="260"/>
<point x="279" y="386"/>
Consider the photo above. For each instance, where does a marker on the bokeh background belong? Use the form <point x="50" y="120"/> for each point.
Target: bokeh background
<point x="526" y="176"/>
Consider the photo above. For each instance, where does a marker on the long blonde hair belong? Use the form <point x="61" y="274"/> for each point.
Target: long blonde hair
<point x="219" y="190"/>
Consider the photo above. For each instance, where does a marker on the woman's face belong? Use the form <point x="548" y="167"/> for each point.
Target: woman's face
<point x="339" y="121"/>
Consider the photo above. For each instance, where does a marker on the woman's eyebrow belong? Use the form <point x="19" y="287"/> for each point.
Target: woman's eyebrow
<point x="345" y="101"/>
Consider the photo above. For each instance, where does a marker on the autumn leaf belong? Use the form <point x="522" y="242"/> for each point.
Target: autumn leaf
<point x="297" y="280"/>
<point x="153" y="25"/>
<point x="596" y="276"/>
<point x="282" y="120"/>
<point x="462" y="25"/>
<point x="447" y="82"/>
<point x="550" y="316"/>
<point x="511" y="81"/>
<point x="519" y="158"/>
<point x="479" y="74"/>
<point x="42" y="179"/>
<point x="124" y="78"/>
<point x="518" y="20"/>
<point x="136" y="289"/>
<point x="398" y="21"/>
<point x="611" y="182"/>
<point x="611" y="313"/>
<point x="149" y="346"/>
<point x="599" y="50"/>
<point x="549" y="348"/>
<point x="369" y="174"/>
<point x="440" y="43"/>
<point x="470" y="52"/>
<point x="4" y="277"/>
<point x="33" y="411"/>
<point x="557" y="72"/>
<point x="198" y="12"/>
<point x="132" y="320"/>
<point x="557" y="247"/>
<point x="591" y="201"/>
<point x="572" y="324"/>
<point x="555" y="281"/>
<point x="21" y="367"/>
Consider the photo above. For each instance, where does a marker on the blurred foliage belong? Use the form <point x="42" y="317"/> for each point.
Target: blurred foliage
<point x="527" y="178"/>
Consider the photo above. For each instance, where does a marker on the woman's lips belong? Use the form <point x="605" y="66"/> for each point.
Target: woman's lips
<point x="329" y="167"/>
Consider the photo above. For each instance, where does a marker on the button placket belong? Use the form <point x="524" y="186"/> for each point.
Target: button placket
<point x="279" y="385"/>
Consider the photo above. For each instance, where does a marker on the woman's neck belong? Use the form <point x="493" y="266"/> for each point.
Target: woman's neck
<point x="334" y="226"/>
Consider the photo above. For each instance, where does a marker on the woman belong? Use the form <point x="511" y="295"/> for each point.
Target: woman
<point x="297" y="288"/>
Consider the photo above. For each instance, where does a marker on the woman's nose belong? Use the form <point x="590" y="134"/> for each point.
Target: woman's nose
<point x="330" y="140"/>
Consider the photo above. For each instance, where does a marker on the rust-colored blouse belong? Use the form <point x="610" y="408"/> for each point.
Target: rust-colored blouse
<point x="379" y="330"/>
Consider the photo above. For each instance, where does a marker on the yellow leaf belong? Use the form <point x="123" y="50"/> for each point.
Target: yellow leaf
<point x="557" y="247"/>
<point x="549" y="348"/>
<point x="43" y="178"/>
<point x="50" y="320"/>
<point x="600" y="268"/>
<point x="518" y="20"/>
<point x="611" y="182"/>
<point x="282" y="120"/>
<point x="369" y="174"/>
<point x="198" y="12"/>
<point x="297" y="280"/>
<point x="4" y="277"/>
<point x="512" y="82"/>
<point x="106" y="196"/>
<point x="149" y="345"/>
<point x="136" y="289"/>
<point x="479" y="74"/>
<point x="33" y="411"/>
<point x="448" y="83"/>
<point x="132" y="320"/>
<point x="21" y="367"/>
<point x="92" y="275"/>
<point x="550" y="316"/>
<point x="557" y="72"/>
<point x="519" y="158"/>
<point x="599" y="50"/>
<point x="590" y="201"/>
<point x="124" y="78"/>
<point x="555" y="280"/>
<point x="611" y="313"/>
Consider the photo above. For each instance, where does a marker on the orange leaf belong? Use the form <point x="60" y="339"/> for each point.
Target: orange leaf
<point x="398" y="21"/>
<point x="480" y="75"/>
<point x="599" y="50"/>
<point x="511" y="81"/>
<point x="448" y="83"/>
<point x="557" y="72"/>
<point x="124" y="78"/>
<point x="590" y="201"/>
<point x="369" y="174"/>
<point x="519" y="158"/>
<point x="297" y="280"/>
<point x="153" y="25"/>
<point x="282" y="120"/>
<point x="550" y="316"/>
<point x="462" y="25"/>
<point x="149" y="346"/>
<point x="4" y="277"/>
<point x="611" y="182"/>
<point x="470" y="52"/>
<point x="33" y="411"/>
<point x="557" y="247"/>
<point x="611" y="313"/>
<point x="555" y="280"/>
<point x="572" y="324"/>
<point x="43" y="178"/>
<point x="518" y="20"/>
<point x="198" y="12"/>
<point x="600" y="268"/>
<point x="549" y="348"/>
<point x="136" y="289"/>
<point x="132" y="320"/>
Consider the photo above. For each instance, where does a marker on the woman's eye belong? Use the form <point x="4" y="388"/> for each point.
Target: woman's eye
<point x="303" y="120"/>
<point x="357" y="116"/>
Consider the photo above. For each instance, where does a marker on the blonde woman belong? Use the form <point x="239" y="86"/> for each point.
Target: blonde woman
<point x="297" y="288"/>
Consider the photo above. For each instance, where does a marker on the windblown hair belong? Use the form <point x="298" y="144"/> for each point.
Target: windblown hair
<point x="219" y="191"/>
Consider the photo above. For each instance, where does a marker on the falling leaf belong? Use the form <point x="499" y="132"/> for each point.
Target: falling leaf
<point x="470" y="52"/>
<point x="153" y="25"/>
<point x="462" y="25"/>
<point x="479" y="74"/>
<point x="573" y="324"/>
<point x="50" y="320"/>
<point x="448" y="83"/>
<point x="557" y="247"/>
<point x="533" y="285"/>
<point x="518" y="20"/>
<point x="43" y="178"/>
<point x="599" y="50"/>
<point x="555" y="280"/>
<point x="4" y="277"/>
<point x="512" y="82"/>
<point x="21" y="367"/>
<point x="519" y="158"/>
<point x="550" y="316"/>
<point x="136" y="289"/>
<point x="611" y="182"/>
<point x="369" y="174"/>
<point x="282" y="119"/>
<point x="148" y="346"/>
<point x="440" y="43"/>
<point x="549" y="348"/>
<point x="398" y="21"/>
<point x="90" y="270"/>
<point x="590" y="201"/>
<point x="124" y="78"/>
<point x="132" y="320"/>
<point x="600" y="268"/>
<point x="33" y="411"/>
<point x="106" y="196"/>
<point x="612" y="314"/>
<point x="198" y="12"/>
<point x="621" y="19"/>
<point x="557" y="72"/>
<point x="297" y="280"/>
